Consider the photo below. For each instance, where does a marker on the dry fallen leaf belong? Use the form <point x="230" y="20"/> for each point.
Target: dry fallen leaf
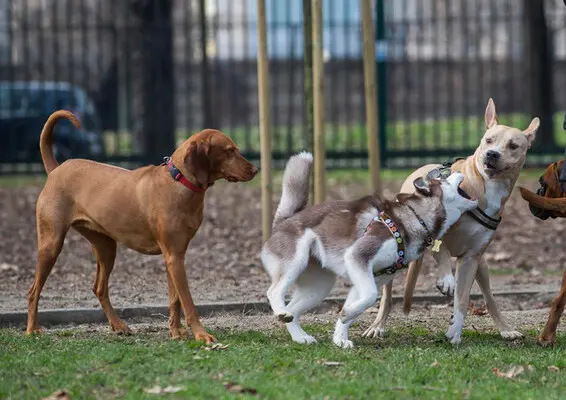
<point x="8" y="267"/>
<point x="479" y="310"/>
<point x="332" y="363"/>
<point x="161" y="390"/>
<point x="173" y="389"/>
<point x="513" y="372"/>
<point x="553" y="368"/>
<point x="58" y="395"/>
<point x="216" y="346"/>
<point x="502" y="256"/>
<point x="235" y="388"/>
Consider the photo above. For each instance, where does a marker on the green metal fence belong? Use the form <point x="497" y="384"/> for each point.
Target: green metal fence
<point x="146" y="74"/>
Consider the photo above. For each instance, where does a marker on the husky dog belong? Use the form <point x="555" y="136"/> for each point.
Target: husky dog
<point x="354" y="239"/>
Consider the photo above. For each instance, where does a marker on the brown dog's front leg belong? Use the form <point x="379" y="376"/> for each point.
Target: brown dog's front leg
<point x="175" y="329"/>
<point x="548" y="334"/>
<point x="176" y="269"/>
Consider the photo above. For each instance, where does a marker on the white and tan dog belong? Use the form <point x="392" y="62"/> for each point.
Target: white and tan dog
<point x="353" y="239"/>
<point x="490" y="175"/>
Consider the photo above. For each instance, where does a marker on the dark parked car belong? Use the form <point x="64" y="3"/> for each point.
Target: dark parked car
<point x="24" y="108"/>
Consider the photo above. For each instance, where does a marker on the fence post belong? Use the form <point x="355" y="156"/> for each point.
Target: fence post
<point x="370" y="93"/>
<point x="264" y="121"/>
<point x="208" y="119"/>
<point x="307" y="81"/>
<point x="318" y="85"/>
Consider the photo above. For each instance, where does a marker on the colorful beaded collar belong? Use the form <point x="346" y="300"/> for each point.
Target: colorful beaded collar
<point x="401" y="262"/>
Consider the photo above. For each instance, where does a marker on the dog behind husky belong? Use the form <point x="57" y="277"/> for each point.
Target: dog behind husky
<point x="354" y="239"/>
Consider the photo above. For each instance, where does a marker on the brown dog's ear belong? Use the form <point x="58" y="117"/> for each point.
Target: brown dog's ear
<point x="422" y="186"/>
<point x="531" y="131"/>
<point x="491" y="118"/>
<point x="197" y="161"/>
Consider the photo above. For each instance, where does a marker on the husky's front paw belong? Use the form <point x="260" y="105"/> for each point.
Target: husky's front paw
<point x="345" y="344"/>
<point x="304" y="339"/>
<point x="511" y="335"/>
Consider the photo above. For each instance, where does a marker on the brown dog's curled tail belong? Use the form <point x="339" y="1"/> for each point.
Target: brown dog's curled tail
<point x="46" y="138"/>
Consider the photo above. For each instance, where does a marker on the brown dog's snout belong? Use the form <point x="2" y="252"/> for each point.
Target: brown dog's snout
<point x="254" y="171"/>
<point x="243" y="171"/>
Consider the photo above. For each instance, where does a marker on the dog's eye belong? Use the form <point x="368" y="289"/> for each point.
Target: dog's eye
<point x="489" y="140"/>
<point x="513" y="146"/>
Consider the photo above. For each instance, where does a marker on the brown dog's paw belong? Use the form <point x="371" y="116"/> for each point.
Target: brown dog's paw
<point x="546" y="341"/>
<point x="121" y="329"/>
<point x="178" y="333"/>
<point x="204" y="336"/>
<point x="35" y="331"/>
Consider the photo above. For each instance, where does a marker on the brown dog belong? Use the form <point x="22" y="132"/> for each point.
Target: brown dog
<point x="550" y="201"/>
<point x="153" y="210"/>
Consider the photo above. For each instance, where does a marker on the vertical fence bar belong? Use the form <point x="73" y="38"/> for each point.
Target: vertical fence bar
<point x="381" y="87"/>
<point x="539" y="70"/>
<point x="370" y="94"/>
<point x="318" y="85"/>
<point x="264" y="121"/>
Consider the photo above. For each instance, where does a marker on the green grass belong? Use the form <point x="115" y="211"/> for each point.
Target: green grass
<point x="334" y="177"/>
<point x="447" y="133"/>
<point x="409" y="363"/>
<point x="16" y="181"/>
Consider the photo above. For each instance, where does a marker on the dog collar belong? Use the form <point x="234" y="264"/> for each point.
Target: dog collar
<point x="178" y="176"/>
<point x="401" y="262"/>
<point x="429" y="238"/>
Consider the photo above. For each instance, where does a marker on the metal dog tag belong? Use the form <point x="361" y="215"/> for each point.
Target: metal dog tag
<point x="436" y="246"/>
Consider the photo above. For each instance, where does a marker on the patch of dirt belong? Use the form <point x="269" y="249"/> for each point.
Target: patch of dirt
<point x="223" y="261"/>
<point x="435" y="318"/>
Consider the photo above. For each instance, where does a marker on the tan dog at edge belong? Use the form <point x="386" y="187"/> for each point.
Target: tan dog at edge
<point x="489" y="176"/>
<point x="145" y="209"/>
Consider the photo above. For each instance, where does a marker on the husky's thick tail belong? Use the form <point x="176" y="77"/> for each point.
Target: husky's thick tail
<point x="296" y="181"/>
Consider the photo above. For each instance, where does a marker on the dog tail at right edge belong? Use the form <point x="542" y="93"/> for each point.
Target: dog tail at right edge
<point x="296" y="182"/>
<point x="46" y="138"/>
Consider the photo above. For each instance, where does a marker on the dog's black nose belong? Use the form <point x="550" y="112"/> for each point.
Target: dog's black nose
<point x="493" y="155"/>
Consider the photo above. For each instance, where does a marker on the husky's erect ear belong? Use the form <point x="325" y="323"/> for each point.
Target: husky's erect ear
<point x="422" y="186"/>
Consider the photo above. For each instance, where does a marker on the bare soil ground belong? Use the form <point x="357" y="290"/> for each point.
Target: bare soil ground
<point x="223" y="259"/>
<point x="436" y="318"/>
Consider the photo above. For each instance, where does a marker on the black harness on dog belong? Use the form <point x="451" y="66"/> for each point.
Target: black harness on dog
<point x="443" y="172"/>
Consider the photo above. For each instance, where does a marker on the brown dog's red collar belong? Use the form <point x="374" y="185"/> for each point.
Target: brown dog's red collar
<point x="178" y="176"/>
